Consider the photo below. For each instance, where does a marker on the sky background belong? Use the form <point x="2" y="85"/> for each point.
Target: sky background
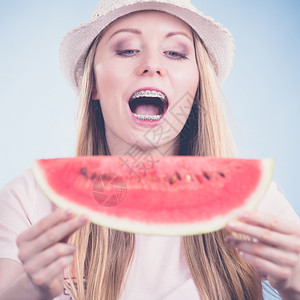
<point x="37" y="107"/>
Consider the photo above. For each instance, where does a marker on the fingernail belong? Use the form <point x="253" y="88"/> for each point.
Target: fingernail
<point x="83" y="219"/>
<point x="232" y="224"/>
<point x="244" y="215"/>
<point x="68" y="212"/>
<point x="72" y="248"/>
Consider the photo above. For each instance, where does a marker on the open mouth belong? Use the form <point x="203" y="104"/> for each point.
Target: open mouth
<point x="148" y="105"/>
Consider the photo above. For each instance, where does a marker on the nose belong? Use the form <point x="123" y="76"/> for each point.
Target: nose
<point x="150" y="71"/>
<point x="150" y="66"/>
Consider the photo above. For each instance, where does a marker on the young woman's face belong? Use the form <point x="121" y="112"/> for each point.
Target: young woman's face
<point x="146" y="79"/>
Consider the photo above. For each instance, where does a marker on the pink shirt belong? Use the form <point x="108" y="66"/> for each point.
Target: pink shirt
<point x="159" y="269"/>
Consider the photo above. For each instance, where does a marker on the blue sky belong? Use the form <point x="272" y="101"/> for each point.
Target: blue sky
<point x="37" y="107"/>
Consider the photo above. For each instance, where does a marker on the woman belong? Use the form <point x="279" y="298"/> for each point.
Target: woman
<point x="148" y="49"/>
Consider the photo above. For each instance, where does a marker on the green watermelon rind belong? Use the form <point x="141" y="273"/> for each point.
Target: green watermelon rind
<point x="175" y="229"/>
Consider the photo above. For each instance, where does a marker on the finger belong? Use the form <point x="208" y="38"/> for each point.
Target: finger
<point x="51" y="237"/>
<point x="47" y="257"/>
<point x="271" y="222"/>
<point x="278" y="273"/>
<point x="264" y="235"/>
<point x="266" y="252"/>
<point x="43" y="225"/>
<point x="43" y="277"/>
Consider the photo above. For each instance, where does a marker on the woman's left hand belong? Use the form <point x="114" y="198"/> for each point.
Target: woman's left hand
<point x="274" y="249"/>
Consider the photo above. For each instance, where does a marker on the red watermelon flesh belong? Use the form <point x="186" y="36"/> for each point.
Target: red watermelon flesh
<point x="175" y="195"/>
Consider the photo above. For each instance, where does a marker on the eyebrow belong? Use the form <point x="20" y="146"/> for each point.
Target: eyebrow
<point x="179" y="33"/>
<point x="137" y="31"/>
<point x="132" y="30"/>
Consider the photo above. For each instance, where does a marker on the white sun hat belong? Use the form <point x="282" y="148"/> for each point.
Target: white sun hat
<point x="74" y="47"/>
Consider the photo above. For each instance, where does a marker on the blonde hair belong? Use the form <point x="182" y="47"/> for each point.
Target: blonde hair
<point x="104" y="255"/>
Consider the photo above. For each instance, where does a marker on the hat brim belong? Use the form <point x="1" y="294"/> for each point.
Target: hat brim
<point x="217" y="39"/>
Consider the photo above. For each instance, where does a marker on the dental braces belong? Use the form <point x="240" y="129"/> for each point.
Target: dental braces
<point x="147" y="93"/>
<point x="148" y="118"/>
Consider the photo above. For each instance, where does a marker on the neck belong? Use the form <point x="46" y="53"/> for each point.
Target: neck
<point x="123" y="148"/>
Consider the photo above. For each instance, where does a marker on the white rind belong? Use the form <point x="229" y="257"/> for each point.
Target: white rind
<point x="170" y="229"/>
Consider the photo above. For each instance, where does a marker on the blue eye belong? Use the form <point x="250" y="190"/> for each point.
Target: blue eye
<point x="130" y="53"/>
<point x="126" y="53"/>
<point x="176" y="55"/>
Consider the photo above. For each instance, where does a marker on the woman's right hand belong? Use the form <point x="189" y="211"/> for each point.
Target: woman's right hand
<point x="45" y="253"/>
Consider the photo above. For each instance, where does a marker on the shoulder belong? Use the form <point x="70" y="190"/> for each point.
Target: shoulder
<point x="276" y="204"/>
<point x="23" y="195"/>
<point x="22" y="204"/>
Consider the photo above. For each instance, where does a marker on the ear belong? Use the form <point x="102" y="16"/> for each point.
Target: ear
<point x="95" y="95"/>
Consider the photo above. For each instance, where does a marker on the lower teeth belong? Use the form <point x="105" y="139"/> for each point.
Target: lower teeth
<point x="148" y="118"/>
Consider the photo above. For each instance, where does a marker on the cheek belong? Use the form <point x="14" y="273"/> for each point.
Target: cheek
<point x="191" y="77"/>
<point x="186" y="86"/>
<point x="106" y="79"/>
<point x="185" y="74"/>
<point x="186" y="83"/>
<point x="110" y="74"/>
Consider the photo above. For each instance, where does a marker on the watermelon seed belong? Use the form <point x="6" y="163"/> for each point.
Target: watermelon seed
<point x="83" y="172"/>
<point x="188" y="178"/>
<point x="206" y="176"/>
<point x="172" y="179"/>
<point x="178" y="175"/>
<point x="107" y="177"/>
<point x="94" y="176"/>
<point x="222" y="174"/>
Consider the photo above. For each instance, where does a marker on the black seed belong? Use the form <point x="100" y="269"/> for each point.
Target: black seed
<point x="222" y="174"/>
<point x="178" y="175"/>
<point x="83" y="171"/>
<point x="106" y="177"/>
<point x="94" y="176"/>
<point x="172" y="179"/>
<point x="206" y="176"/>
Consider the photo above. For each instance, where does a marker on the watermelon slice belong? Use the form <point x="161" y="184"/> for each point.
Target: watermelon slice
<point x="175" y="195"/>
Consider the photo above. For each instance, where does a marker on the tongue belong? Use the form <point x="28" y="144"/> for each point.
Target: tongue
<point x="147" y="109"/>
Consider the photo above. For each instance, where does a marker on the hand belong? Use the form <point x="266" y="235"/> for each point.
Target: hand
<point x="274" y="249"/>
<point x="45" y="254"/>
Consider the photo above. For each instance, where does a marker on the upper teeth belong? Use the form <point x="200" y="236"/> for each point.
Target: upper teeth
<point x="148" y="93"/>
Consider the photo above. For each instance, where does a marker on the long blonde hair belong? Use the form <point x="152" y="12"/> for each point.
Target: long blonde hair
<point x="104" y="256"/>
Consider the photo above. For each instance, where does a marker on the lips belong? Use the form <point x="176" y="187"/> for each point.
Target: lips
<point x="148" y="104"/>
